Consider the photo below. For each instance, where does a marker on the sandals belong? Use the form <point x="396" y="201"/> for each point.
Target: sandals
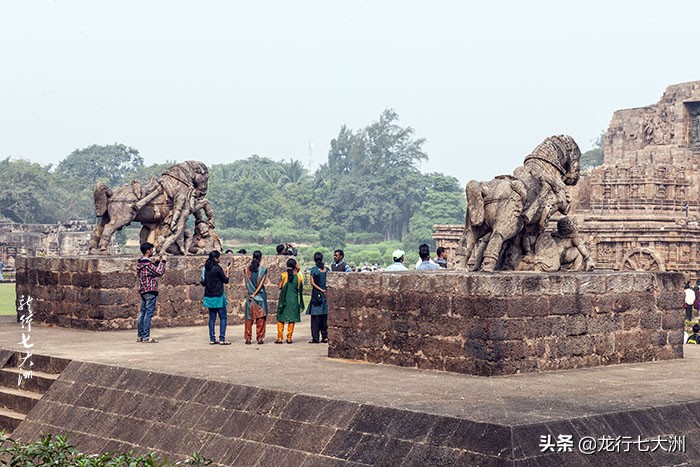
<point x="213" y="342"/>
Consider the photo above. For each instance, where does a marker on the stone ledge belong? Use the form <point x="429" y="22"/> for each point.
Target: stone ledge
<point x="100" y="293"/>
<point x="246" y="425"/>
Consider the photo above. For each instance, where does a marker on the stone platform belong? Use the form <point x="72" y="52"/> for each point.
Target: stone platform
<point x="291" y="405"/>
<point x="100" y="292"/>
<point x="506" y="322"/>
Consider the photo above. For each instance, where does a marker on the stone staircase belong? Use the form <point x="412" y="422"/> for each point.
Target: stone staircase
<point x="17" y="400"/>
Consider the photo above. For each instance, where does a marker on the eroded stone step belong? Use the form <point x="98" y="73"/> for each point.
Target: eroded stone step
<point x="52" y="365"/>
<point x="18" y="400"/>
<point x="39" y="382"/>
<point x="9" y="419"/>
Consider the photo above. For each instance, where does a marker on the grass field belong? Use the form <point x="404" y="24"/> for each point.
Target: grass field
<point x="7" y="299"/>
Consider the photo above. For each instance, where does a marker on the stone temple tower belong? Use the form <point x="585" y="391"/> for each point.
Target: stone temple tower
<point x="639" y="210"/>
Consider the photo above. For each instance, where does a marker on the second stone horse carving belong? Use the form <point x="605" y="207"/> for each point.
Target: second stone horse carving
<point x="506" y="215"/>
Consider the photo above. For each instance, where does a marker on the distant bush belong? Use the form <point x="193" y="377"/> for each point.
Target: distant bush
<point x="55" y="450"/>
<point x="333" y="237"/>
<point x="267" y="250"/>
<point x="241" y="235"/>
<point x="355" y="254"/>
<point x="266" y="236"/>
<point x="364" y="238"/>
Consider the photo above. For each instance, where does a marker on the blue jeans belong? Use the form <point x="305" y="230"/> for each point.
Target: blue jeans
<point x="148" y="307"/>
<point x="223" y="317"/>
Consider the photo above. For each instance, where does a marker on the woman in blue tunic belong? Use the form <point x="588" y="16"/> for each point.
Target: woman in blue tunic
<point x="318" y="306"/>
<point x="256" y="305"/>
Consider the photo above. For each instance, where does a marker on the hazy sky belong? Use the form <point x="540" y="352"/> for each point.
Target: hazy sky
<point x="216" y="81"/>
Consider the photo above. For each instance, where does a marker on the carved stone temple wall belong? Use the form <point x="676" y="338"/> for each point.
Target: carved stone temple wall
<point x="61" y="239"/>
<point x="640" y="210"/>
<point x="632" y="209"/>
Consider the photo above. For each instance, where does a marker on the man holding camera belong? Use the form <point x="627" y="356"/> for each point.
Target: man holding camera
<point x="286" y="249"/>
<point x="148" y="273"/>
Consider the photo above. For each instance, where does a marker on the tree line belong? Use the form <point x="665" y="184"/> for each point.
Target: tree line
<point x="370" y="189"/>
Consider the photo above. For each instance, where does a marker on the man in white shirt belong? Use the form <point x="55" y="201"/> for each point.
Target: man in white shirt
<point x="689" y="300"/>
<point x="397" y="256"/>
<point x="426" y="263"/>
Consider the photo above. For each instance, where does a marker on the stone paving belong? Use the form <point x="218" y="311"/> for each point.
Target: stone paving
<point x="304" y="368"/>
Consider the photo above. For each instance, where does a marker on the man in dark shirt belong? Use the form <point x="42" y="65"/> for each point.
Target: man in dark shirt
<point x="441" y="258"/>
<point x="339" y="263"/>
<point x="694" y="338"/>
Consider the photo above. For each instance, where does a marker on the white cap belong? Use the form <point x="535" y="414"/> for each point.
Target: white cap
<point x="398" y="254"/>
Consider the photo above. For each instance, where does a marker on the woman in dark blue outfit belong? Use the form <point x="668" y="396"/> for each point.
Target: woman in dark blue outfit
<point x="318" y="306"/>
<point x="215" y="296"/>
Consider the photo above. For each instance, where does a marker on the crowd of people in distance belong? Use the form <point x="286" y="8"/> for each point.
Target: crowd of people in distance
<point x="290" y="304"/>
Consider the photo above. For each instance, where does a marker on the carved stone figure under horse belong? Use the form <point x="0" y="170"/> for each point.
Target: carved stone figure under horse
<point x="167" y="200"/>
<point x="506" y="215"/>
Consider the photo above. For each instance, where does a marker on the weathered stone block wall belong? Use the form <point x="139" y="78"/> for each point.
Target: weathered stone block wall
<point x="504" y="323"/>
<point x="94" y="292"/>
<point x="107" y="408"/>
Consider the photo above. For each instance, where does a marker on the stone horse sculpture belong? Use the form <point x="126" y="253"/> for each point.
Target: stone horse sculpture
<point x="167" y="201"/>
<point x="506" y="215"/>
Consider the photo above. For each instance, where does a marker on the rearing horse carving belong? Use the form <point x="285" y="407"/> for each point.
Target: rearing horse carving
<point x="506" y="215"/>
<point x="167" y="201"/>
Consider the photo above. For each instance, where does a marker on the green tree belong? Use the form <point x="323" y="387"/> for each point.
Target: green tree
<point x="245" y="203"/>
<point x="342" y="153"/>
<point x="444" y="203"/>
<point x="251" y="193"/>
<point x="277" y="230"/>
<point x="271" y="175"/>
<point x="333" y="237"/>
<point x="252" y="167"/>
<point x="594" y="157"/>
<point x="78" y="172"/>
<point x="114" y="164"/>
<point x="373" y="175"/>
<point x="146" y="172"/>
<point x="30" y="193"/>
<point x="305" y="206"/>
<point x="293" y="172"/>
